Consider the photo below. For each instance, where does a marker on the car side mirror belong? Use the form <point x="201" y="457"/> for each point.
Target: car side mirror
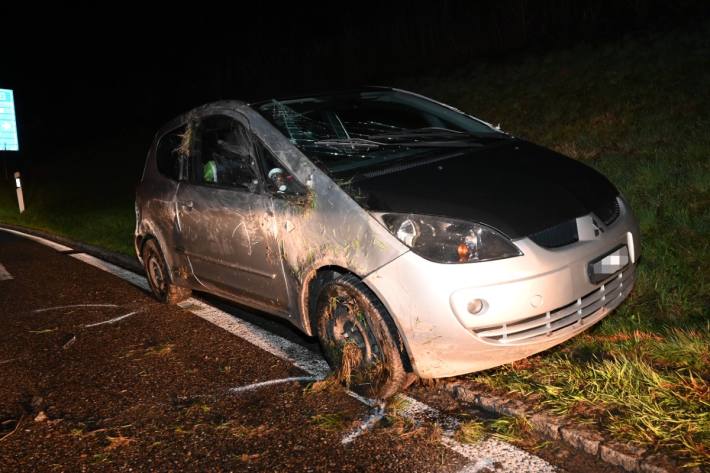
<point x="284" y="184"/>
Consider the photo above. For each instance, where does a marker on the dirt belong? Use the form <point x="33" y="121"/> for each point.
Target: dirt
<point x="150" y="392"/>
<point x="557" y="453"/>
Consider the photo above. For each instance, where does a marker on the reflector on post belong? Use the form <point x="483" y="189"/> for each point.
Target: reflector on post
<point x="20" y="197"/>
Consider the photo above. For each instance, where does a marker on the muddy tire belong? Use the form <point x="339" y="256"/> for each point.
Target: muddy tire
<point x="359" y="339"/>
<point x="158" y="275"/>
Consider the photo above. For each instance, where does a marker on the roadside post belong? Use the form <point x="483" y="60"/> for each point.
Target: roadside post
<point x="20" y="197"/>
<point x="8" y="137"/>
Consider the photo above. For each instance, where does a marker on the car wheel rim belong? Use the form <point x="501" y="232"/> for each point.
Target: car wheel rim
<point x="355" y="351"/>
<point x="155" y="272"/>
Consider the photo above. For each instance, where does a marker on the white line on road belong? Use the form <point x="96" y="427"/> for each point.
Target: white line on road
<point x="298" y="355"/>
<point x="480" y="466"/>
<point x="73" y="306"/>
<point x="44" y="241"/>
<point x="486" y="451"/>
<point x="480" y="454"/>
<point x="251" y="387"/>
<point x="4" y="274"/>
<point x="129" y="276"/>
<point x="377" y="414"/>
<point x="113" y="320"/>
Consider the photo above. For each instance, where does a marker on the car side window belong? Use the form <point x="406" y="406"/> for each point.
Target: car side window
<point x="168" y="154"/>
<point x="224" y="154"/>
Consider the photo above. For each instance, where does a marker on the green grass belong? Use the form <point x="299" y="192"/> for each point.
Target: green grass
<point x="470" y="431"/>
<point x="639" y="111"/>
<point x="88" y="198"/>
<point x="509" y="429"/>
<point x="651" y="391"/>
<point x="329" y="422"/>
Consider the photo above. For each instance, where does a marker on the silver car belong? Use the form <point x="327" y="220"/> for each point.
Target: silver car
<point x="411" y="238"/>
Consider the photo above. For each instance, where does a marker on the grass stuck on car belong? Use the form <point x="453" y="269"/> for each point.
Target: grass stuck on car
<point x="411" y="238"/>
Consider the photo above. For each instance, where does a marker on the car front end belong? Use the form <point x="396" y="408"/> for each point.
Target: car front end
<point x="460" y="318"/>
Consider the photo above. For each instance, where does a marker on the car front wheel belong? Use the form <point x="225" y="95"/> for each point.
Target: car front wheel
<point x="360" y="341"/>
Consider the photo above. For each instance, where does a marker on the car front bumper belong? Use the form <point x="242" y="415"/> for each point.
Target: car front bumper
<point x="532" y="302"/>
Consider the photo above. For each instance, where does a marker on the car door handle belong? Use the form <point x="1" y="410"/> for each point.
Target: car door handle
<point x="187" y="205"/>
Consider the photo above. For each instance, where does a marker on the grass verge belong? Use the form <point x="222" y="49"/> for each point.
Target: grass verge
<point x="639" y="111"/>
<point x="80" y="196"/>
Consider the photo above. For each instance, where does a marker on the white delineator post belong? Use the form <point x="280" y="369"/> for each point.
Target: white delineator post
<point x="20" y="197"/>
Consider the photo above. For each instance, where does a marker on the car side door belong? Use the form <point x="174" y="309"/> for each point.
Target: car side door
<point x="226" y="220"/>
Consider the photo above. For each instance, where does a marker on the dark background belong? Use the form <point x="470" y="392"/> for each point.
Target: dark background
<point x="107" y="78"/>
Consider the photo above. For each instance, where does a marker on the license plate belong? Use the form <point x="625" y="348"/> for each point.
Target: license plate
<point x="604" y="266"/>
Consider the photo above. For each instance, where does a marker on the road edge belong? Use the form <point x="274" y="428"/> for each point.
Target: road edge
<point x="119" y="259"/>
<point x="562" y="429"/>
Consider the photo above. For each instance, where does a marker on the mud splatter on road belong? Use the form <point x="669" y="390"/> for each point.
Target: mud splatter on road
<point x="152" y="391"/>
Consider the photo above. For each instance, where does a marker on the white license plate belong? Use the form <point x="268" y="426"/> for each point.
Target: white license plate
<point x="603" y="267"/>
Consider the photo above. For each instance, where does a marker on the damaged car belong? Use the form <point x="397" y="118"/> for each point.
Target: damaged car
<point x="412" y="239"/>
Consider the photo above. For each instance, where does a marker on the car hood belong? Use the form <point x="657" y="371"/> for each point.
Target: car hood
<point x="514" y="186"/>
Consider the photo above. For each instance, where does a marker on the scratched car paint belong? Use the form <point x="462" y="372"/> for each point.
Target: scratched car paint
<point x="411" y="238"/>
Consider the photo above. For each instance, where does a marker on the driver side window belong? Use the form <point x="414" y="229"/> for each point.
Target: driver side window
<point x="224" y="154"/>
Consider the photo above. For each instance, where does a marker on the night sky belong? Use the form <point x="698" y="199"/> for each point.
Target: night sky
<point x="110" y="75"/>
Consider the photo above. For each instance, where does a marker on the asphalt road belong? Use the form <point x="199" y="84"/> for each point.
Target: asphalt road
<point x="97" y="375"/>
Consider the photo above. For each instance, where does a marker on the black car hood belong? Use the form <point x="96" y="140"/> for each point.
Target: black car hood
<point x="514" y="186"/>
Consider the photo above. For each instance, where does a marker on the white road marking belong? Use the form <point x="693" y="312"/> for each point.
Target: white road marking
<point x="4" y="274"/>
<point x="367" y="424"/>
<point x="113" y="320"/>
<point x="509" y="457"/>
<point x="251" y="387"/>
<point x="44" y="241"/>
<point x="479" y="467"/>
<point x="490" y="450"/>
<point x="129" y="276"/>
<point x="59" y="307"/>
<point x="70" y="342"/>
<point x="480" y="454"/>
<point x="286" y="350"/>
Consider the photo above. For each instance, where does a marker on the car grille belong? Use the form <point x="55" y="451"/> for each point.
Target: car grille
<point x="564" y="319"/>
<point x="609" y="212"/>
<point x="566" y="233"/>
<point x="559" y="235"/>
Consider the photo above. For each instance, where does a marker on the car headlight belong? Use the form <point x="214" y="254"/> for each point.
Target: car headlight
<point x="445" y="240"/>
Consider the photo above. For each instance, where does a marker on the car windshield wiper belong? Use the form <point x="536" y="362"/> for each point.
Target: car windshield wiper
<point x="422" y="132"/>
<point x="351" y="143"/>
<point x="435" y="137"/>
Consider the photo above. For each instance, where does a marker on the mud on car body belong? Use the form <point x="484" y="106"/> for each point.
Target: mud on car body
<point x="411" y="238"/>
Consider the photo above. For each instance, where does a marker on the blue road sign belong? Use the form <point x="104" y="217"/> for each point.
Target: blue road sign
<point x="8" y="124"/>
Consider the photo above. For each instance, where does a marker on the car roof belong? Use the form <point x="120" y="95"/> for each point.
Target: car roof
<point x="236" y="104"/>
<point x="323" y="93"/>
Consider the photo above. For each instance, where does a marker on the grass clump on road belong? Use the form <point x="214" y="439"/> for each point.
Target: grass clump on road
<point x="329" y="422"/>
<point x="470" y="431"/>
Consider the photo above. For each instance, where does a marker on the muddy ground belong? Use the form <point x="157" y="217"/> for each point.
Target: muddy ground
<point x="151" y="391"/>
<point x="95" y="375"/>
